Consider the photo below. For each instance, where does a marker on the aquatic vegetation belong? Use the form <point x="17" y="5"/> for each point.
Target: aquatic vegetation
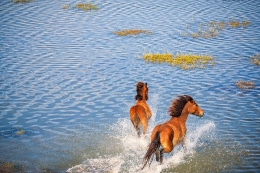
<point x="234" y="24"/>
<point x="11" y="167"/>
<point x="184" y="61"/>
<point x="187" y="61"/>
<point x="21" y="1"/>
<point x="245" y="23"/>
<point x="131" y="32"/>
<point x="65" y="6"/>
<point x="255" y="59"/>
<point x="212" y="28"/>
<point x="158" y="58"/>
<point x="14" y="132"/>
<point x="221" y="25"/>
<point x="245" y="84"/>
<point x="20" y="132"/>
<point x="82" y="6"/>
<point x="86" y="6"/>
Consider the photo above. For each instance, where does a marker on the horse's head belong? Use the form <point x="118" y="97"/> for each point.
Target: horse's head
<point x="193" y="107"/>
<point x="142" y="91"/>
<point x="184" y="101"/>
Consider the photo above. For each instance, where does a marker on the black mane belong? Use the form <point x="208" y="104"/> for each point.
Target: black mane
<point x="178" y="104"/>
<point x="139" y="88"/>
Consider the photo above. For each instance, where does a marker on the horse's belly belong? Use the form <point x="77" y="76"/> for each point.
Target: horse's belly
<point x="175" y="143"/>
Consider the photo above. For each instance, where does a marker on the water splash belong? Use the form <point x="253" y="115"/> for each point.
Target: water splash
<point x="134" y="148"/>
<point x="98" y="165"/>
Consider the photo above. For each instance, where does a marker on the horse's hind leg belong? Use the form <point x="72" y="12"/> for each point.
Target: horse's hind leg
<point x="161" y="156"/>
<point x="183" y="142"/>
<point x="145" y="125"/>
<point x="137" y="127"/>
<point x="135" y="119"/>
<point x="157" y="154"/>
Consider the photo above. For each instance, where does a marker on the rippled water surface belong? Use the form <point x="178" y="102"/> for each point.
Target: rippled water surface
<point x="67" y="83"/>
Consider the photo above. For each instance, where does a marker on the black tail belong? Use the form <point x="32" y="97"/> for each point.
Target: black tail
<point x="153" y="147"/>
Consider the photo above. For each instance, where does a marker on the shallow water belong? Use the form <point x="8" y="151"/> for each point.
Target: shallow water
<point x="67" y="83"/>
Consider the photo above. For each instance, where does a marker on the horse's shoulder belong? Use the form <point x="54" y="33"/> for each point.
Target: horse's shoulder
<point x="144" y="104"/>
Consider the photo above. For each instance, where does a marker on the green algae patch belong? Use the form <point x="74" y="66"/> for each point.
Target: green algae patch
<point x="86" y="6"/>
<point x="255" y="59"/>
<point x="184" y="61"/>
<point x="131" y="32"/>
<point x="245" y="84"/>
<point x="158" y="58"/>
<point x="188" y="61"/>
<point x="213" y="28"/>
<point x="21" y="1"/>
<point x="82" y="6"/>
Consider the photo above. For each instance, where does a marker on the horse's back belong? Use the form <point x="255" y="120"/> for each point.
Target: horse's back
<point x="148" y="111"/>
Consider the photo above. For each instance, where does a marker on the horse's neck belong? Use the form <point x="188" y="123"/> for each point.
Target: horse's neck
<point x="143" y="101"/>
<point x="143" y="98"/>
<point x="184" y="114"/>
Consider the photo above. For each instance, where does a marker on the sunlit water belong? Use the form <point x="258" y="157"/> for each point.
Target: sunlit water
<point x="67" y="83"/>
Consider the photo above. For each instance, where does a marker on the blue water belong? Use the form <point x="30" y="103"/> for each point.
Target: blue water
<point x="67" y="83"/>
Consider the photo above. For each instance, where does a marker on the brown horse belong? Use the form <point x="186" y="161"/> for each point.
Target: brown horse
<point x="172" y="132"/>
<point x="140" y="113"/>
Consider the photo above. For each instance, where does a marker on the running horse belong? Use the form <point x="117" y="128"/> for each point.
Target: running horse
<point x="166" y="136"/>
<point x="140" y="113"/>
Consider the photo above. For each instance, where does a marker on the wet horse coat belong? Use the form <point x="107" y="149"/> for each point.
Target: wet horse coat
<point x="140" y="113"/>
<point x="171" y="133"/>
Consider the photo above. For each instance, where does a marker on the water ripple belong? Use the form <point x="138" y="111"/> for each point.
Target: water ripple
<point x="64" y="76"/>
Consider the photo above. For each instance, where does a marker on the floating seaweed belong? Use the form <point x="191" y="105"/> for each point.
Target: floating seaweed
<point x="158" y="58"/>
<point x="187" y="61"/>
<point x="245" y="84"/>
<point x="20" y="132"/>
<point x="86" y="6"/>
<point x="131" y="32"/>
<point x="21" y="1"/>
<point x="255" y="59"/>
<point x="82" y="6"/>
<point x="11" y="167"/>
<point x="65" y="6"/>
<point x="16" y="132"/>
<point x="212" y="28"/>
<point x="234" y="24"/>
<point x="184" y="61"/>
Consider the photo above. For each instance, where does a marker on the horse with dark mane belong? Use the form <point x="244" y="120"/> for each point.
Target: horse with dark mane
<point x="140" y="113"/>
<point x="166" y="136"/>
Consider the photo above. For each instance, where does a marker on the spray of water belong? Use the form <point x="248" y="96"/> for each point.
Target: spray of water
<point x="129" y="159"/>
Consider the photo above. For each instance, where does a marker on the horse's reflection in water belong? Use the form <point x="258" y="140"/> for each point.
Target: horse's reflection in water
<point x="166" y="136"/>
<point x="140" y="113"/>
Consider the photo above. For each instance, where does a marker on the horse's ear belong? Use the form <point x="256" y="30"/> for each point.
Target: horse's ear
<point x="145" y="84"/>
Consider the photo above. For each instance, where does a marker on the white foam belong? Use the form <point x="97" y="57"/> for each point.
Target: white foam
<point x="98" y="165"/>
<point x="133" y="148"/>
